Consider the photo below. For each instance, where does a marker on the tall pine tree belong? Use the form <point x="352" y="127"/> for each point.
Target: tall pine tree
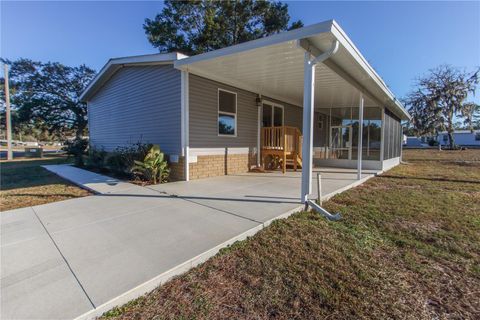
<point x="194" y="27"/>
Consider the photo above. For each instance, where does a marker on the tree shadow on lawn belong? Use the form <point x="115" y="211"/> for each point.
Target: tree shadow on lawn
<point x="29" y="173"/>
<point x="28" y="178"/>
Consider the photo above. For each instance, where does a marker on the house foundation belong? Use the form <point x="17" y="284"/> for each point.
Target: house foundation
<point x="206" y="166"/>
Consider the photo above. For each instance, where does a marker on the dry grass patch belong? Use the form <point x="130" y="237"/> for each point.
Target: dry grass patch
<point x="26" y="183"/>
<point x="435" y="155"/>
<point x="408" y="247"/>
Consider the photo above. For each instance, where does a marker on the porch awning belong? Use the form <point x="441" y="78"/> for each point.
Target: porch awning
<point x="273" y="66"/>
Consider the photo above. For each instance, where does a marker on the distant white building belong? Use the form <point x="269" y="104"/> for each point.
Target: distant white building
<point x="465" y="138"/>
<point x="416" y="142"/>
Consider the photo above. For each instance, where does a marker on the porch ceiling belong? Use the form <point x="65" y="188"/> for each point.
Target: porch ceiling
<point x="273" y="67"/>
<point x="277" y="71"/>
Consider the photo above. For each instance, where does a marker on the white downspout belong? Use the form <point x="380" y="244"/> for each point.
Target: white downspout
<point x="185" y="123"/>
<point x="360" y="138"/>
<point x="308" y="112"/>
<point x="259" y="132"/>
<point x="382" y="139"/>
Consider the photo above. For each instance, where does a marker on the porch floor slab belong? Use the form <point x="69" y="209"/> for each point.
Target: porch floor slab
<point x="260" y="196"/>
<point x="81" y="257"/>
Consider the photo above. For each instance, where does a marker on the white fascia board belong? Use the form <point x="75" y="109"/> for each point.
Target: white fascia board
<point x="150" y="58"/>
<point x="314" y="51"/>
<point x="315" y="29"/>
<point x="85" y="92"/>
<point x="342" y="37"/>
<point x="116" y="63"/>
<point x="328" y="27"/>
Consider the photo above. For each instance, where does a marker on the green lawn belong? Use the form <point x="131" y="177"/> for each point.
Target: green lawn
<point x="408" y="247"/>
<point x="25" y="183"/>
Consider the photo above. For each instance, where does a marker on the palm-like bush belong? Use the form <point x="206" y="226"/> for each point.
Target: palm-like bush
<point x="154" y="167"/>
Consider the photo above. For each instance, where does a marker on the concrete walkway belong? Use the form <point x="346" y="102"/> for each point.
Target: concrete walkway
<point x="92" y="181"/>
<point x="81" y="257"/>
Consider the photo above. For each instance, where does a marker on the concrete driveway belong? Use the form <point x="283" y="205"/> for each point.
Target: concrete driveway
<point x="81" y="257"/>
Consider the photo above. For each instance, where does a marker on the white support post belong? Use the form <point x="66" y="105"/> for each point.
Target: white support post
<point x="382" y="137"/>
<point x="401" y="142"/>
<point x="259" y="132"/>
<point x="308" y="110"/>
<point x="185" y="123"/>
<point x="8" y="117"/>
<point x="360" y="138"/>
<point x="319" y="189"/>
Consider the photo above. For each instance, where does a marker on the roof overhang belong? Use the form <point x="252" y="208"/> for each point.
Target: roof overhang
<point x="273" y="66"/>
<point x="113" y="65"/>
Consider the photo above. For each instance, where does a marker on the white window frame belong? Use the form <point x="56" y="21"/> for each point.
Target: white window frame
<point x="235" y="115"/>
<point x="273" y="104"/>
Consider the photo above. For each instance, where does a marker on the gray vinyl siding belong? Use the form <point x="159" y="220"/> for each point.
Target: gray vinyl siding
<point x="139" y="103"/>
<point x="392" y="142"/>
<point x="203" y="115"/>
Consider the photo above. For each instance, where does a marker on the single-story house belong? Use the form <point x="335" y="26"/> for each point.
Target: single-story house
<point x="306" y="96"/>
<point x="464" y="138"/>
<point x="416" y="142"/>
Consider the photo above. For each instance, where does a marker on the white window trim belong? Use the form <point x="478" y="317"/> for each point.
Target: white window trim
<point x="235" y="115"/>
<point x="274" y="104"/>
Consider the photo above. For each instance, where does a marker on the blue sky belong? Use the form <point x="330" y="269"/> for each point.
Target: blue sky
<point x="401" y="40"/>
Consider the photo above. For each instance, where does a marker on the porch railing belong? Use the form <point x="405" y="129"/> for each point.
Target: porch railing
<point x="282" y="138"/>
<point x="282" y="141"/>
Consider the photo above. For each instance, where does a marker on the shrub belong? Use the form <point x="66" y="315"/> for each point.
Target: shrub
<point x="122" y="159"/>
<point x="97" y="158"/>
<point x="76" y="149"/>
<point x="153" y="168"/>
<point x="432" y="143"/>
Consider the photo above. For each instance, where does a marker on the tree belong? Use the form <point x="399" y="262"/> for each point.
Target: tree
<point x="194" y="27"/>
<point x="49" y="93"/>
<point x="471" y="113"/>
<point x="440" y="99"/>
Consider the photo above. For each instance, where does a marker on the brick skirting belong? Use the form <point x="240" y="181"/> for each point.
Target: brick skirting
<point x="219" y="165"/>
<point x="212" y="166"/>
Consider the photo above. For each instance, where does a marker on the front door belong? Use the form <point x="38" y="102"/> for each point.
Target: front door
<point x="341" y="142"/>
<point x="272" y="114"/>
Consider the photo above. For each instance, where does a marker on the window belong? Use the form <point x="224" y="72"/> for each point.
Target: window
<point x="277" y="116"/>
<point x="227" y="113"/>
<point x="272" y="115"/>
<point x="267" y="115"/>
<point x="477" y="136"/>
<point x="445" y="137"/>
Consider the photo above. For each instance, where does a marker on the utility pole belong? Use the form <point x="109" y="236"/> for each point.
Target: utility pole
<point x="8" y="117"/>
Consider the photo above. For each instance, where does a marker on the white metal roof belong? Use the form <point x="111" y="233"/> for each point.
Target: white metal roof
<point x="273" y="66"/>
<point x="114" y="64"/>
